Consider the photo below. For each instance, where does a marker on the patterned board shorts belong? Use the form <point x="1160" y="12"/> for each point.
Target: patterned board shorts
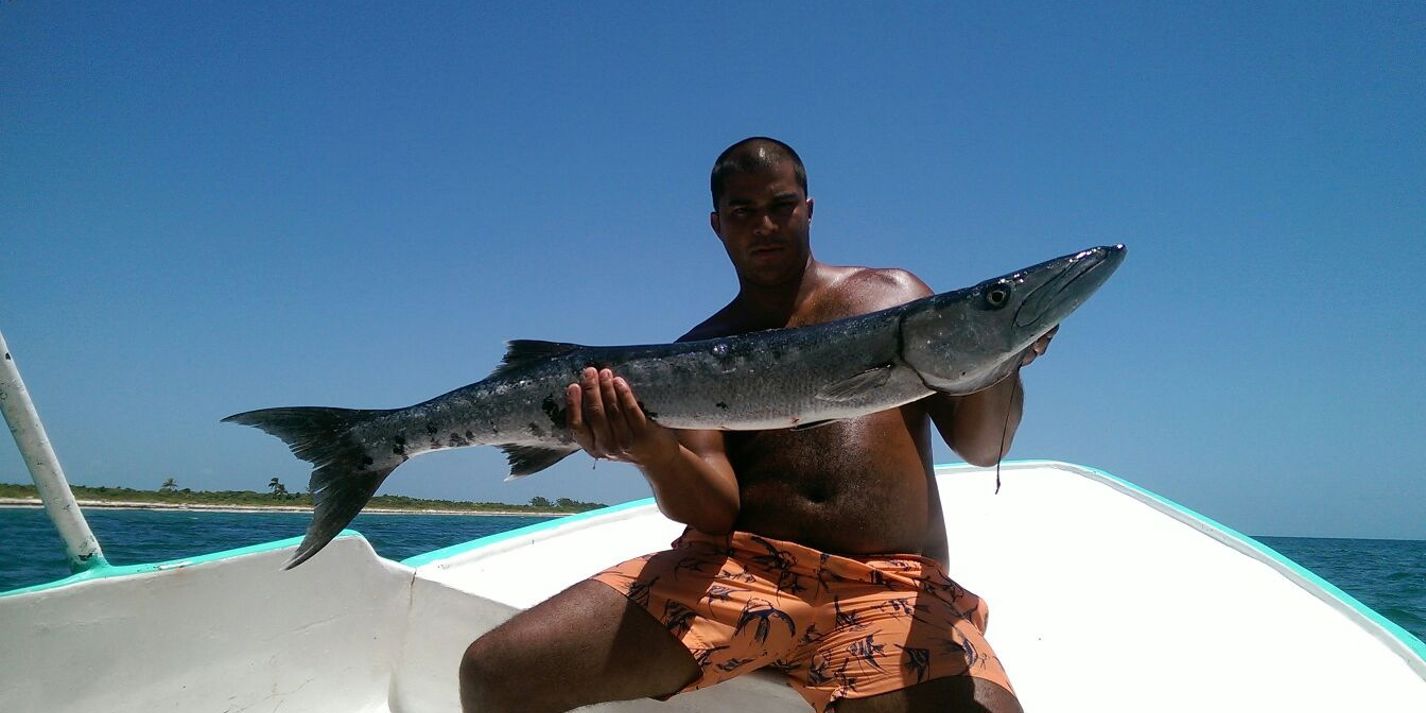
<point x="838" y="627"/>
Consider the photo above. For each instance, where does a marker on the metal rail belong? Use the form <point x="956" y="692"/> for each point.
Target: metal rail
<point x="24" y="421"/>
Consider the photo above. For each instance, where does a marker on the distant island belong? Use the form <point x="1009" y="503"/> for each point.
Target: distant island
<point x="170" y="497"/>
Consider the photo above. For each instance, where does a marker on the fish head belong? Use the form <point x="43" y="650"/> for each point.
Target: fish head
<point x="964" y="341"/>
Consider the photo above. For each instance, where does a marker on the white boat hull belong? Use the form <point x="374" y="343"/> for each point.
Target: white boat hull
<point x="1103" y="597"/>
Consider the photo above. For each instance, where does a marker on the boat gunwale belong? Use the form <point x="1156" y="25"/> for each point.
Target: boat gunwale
<point x="112" y="571"/>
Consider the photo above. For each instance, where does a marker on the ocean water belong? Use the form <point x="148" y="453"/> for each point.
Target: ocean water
<point x="32" y="553"/>
<point x="1386" y="575"/>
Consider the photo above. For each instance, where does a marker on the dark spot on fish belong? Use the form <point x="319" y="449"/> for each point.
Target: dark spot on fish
<point x="534" y="429"/>
<point x="431" y="429"/>
<point x="469" y="436"/>
<point x="721" y="405"/>
<point x="647" y="412"/>
<point x="7" y="356"/>
<point x="456" y="440"/>
<point x="400" y="440"/>
<point x="399" y="449"/>
<point x="555" y="410"/>
<point x="366" y="460"/>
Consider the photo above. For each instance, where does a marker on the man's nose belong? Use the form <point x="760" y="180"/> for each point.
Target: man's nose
<point x="764" y="225"/>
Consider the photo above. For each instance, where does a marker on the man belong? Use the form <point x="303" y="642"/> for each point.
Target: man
<point x="784" y="562"/>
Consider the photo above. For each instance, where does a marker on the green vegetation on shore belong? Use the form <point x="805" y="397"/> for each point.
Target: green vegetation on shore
<point x="170" y="494"/>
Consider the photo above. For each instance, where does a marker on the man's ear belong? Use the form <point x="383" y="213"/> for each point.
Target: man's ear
<point x="715" y="224"/>
<point x="809" y="209"/>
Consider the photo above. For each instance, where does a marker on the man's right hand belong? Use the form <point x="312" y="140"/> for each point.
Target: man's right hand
<point x="608" y="422"/>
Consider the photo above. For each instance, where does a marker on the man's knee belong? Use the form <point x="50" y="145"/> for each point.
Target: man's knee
<point x="485" y="682"/>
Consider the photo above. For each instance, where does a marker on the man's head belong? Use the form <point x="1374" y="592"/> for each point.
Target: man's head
<point x="761" y="211"/>
<point x="757" y="154"/>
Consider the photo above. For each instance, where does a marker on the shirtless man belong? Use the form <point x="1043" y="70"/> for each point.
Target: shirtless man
<point x="784" y="562"/>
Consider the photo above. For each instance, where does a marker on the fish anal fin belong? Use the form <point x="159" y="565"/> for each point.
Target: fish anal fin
<point x="527" y="460"/>
<point x="520" y="353"/>
<point x="852" y="387"/>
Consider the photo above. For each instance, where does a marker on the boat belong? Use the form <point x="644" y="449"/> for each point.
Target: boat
<point x="1105" y="597"/>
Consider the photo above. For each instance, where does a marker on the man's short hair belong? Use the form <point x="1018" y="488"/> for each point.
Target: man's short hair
<point x="756" y="154"/>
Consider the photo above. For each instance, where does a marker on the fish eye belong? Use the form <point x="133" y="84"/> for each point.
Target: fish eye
<point x="997" y="295"/>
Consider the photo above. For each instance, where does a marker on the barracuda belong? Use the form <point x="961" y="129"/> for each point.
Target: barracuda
<point x="956" y="343"/>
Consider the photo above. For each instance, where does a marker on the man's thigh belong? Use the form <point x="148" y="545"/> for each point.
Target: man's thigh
<point x="953" y="694"/>
<point x="584" y="645"/>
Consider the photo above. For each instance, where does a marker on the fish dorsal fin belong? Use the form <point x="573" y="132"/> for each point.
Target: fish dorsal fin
<point x="850" y="388"/>
<point x="520" y="353"/>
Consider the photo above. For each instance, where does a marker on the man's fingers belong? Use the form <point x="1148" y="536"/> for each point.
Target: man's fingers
<point x="595" y="415"/>
<point x="618" y="427"/>
<point x="629" y="404"/>
<point x="574" y="405"/>
<point x="1039" y="346"/>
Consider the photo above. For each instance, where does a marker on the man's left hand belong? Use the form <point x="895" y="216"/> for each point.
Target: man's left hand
<point x="1039" y="347"/>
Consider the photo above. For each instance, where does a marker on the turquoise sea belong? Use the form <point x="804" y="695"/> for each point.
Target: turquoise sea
<point x="1386" y="575"/>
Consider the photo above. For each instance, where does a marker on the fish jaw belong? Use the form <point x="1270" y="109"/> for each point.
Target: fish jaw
<point x="964" y="341"/>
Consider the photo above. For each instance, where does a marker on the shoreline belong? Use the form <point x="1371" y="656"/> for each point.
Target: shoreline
<point x="205" y="507"/>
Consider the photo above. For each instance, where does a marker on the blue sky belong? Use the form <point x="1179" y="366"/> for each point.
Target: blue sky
<point x="208" y="208"/>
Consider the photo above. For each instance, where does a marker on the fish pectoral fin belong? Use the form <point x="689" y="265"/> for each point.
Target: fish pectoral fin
<point x="527" y="460"/>
<point x="522" y="352"/>
<point x="815" y="424"/>
<point x="851" y="388"/>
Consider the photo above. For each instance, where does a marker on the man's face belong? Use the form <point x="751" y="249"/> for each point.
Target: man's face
<point x="763" y="220"/>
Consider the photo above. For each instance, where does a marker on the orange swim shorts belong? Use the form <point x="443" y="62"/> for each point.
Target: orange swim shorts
<point x="838" y="627"/>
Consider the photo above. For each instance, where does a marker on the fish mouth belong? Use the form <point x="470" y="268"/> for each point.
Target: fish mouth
<point x="1073" y="282"/>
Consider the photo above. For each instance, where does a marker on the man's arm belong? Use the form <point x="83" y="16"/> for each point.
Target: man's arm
<point x="980" y="427"/>
<point x="692" y="480"/>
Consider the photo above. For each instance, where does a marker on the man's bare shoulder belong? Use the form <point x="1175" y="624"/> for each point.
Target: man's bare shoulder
<point x="718" y="325"/>
<point x="859" y="290"/>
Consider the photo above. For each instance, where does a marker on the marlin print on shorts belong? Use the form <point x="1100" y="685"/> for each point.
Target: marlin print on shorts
<point x="763" y="613"/>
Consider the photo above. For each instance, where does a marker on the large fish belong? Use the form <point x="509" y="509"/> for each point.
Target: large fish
<point x="955" y="342"/>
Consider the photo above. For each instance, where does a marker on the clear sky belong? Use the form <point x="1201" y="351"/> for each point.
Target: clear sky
<point x="207" y="208"/>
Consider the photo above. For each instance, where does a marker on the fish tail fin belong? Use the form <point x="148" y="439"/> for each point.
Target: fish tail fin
<point x="344" y="476"/>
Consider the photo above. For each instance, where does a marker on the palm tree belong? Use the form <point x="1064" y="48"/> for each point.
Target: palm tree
<point x="278" y="489"/>
<point x="170" y="485"/>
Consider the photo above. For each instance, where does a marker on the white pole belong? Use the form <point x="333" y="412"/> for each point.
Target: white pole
<point x="79" y="543"/>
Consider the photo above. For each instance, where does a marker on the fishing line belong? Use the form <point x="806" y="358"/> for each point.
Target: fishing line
<point x="1005" y="429"/>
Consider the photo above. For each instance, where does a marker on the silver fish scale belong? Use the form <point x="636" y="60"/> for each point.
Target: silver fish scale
<point x="758" y="381"/>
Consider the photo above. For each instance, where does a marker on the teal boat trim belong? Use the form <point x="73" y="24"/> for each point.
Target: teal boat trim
<point x="1403" y="642"/>
<point x="109" y="571"/>
<point x="526" y="531"/>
